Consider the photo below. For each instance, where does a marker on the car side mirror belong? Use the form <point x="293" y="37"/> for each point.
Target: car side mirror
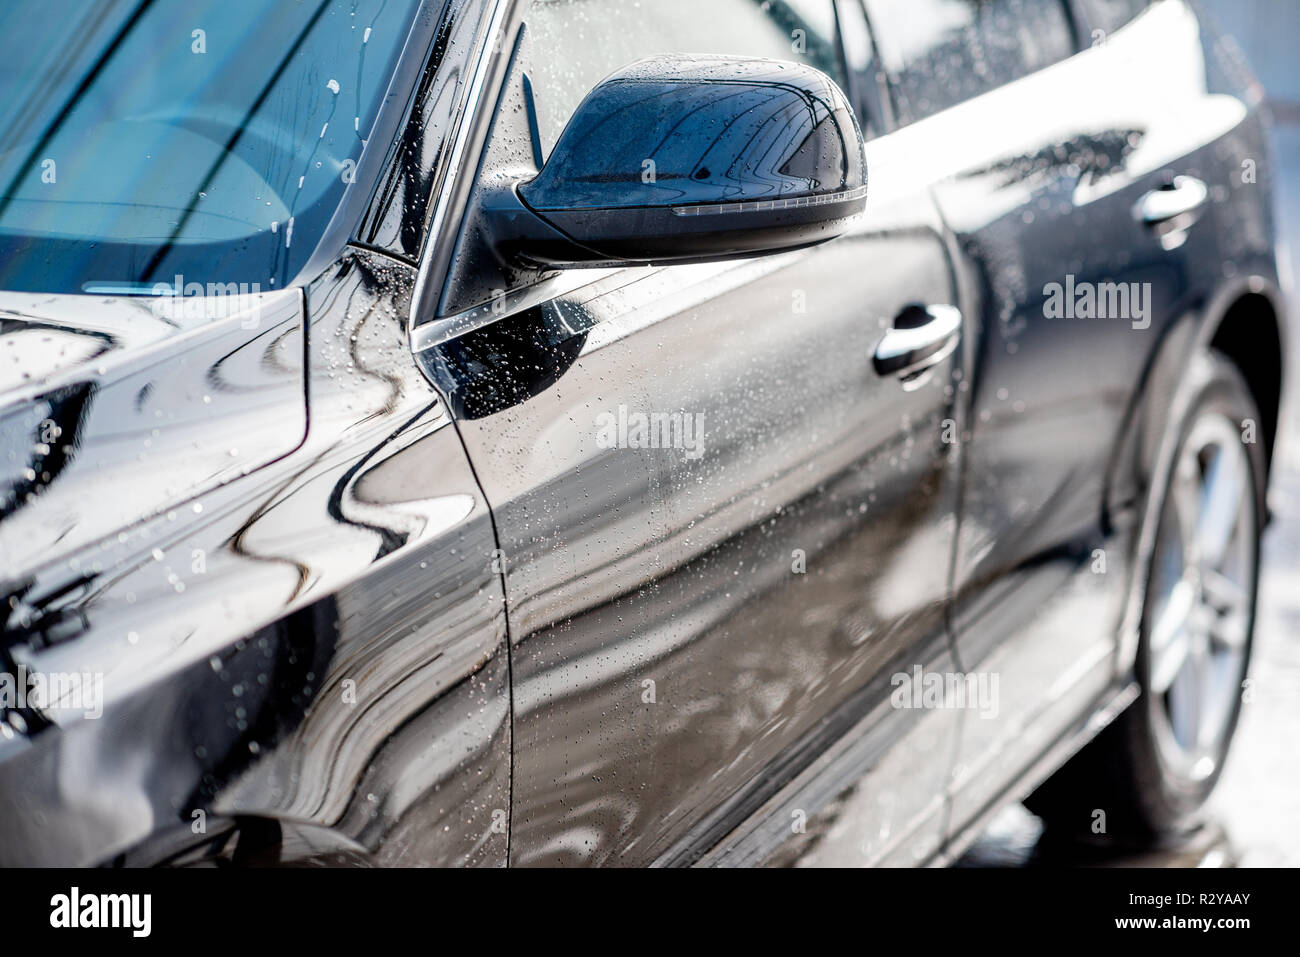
<point x="680" y="159"/>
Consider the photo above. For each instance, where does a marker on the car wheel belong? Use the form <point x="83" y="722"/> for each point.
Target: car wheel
<point x="1154" y="767"/>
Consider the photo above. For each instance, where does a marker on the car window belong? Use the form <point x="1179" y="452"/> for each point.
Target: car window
<point x="138" y="144"/>
<point x="574" y="44"/>
<point x="938" y="53"/>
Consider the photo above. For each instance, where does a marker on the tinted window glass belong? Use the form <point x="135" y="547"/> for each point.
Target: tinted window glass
<point x="210" y="140"/>
<point x="941" y="52"/>
<point x="574" y="44"/>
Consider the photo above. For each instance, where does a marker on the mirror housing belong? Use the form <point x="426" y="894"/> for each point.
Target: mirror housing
<point x="680" y="159"/>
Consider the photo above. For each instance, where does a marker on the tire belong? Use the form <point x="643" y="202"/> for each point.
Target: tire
<point x="1151" y="771"/>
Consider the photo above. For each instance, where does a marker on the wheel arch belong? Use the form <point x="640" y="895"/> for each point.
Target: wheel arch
<point x="1249" y="332"/>
<point x="1246" y="320"/>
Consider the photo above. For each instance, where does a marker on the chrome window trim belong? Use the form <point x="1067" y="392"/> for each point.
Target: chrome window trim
<point x="469" y="111"/>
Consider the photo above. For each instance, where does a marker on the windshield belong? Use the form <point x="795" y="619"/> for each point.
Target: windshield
<point x="147" y="142"/>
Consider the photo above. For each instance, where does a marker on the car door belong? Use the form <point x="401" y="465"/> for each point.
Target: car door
<point x="1057" y="154"/>
<point x="698" y="624"/>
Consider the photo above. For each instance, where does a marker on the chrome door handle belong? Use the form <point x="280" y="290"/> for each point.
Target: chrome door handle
<point x="922" y="337"/>
<point x="1183" y="196"/>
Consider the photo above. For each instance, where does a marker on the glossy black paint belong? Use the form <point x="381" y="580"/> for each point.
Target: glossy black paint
<point x="366" y="585"/>
<point x="285" y="646"/>
<point x="1060" y="453"/>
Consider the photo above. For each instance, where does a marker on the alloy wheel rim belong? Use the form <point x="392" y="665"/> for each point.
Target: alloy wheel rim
<point x="1204" y="581"/>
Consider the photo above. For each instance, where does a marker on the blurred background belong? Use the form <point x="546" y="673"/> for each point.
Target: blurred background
<point x="1254" y="818"/>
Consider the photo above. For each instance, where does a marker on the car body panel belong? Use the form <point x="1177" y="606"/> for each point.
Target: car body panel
<point x="1042" y="198"/>
<point x="336" y="666"/>
<point x="626" y="566"/>
<point x="95" y="396"/>
<point x="692" y="627"/>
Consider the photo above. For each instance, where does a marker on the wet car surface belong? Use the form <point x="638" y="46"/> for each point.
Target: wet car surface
<point x="616" y="435"/>
<point x="1252" y="820"/>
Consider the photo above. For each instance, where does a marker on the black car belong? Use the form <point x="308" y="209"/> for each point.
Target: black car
<point x="610" y="432"/>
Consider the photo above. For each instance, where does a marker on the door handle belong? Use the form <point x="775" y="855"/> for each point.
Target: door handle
<point x="1183" y="196"/>
<point x="921" y="337"/>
